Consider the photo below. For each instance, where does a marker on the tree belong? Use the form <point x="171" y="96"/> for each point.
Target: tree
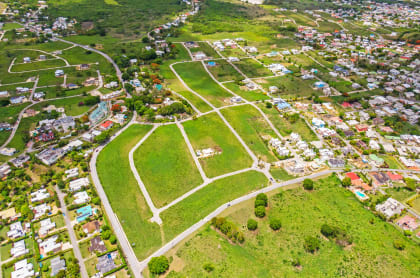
<point x="327" y="230"/>
<point x="263" y="197"/>
<point x="311" y="244"/>
<point x="252" y="225"/>
<point x="259" y="203"/>
<point x="260" y="211"/>
<point x="346" y="182"/>
<point x="113" y="239"/>
<point x="275" y="224"/>
<point x="158" y="265"/>
<point x="399" y="244"/>
<point x="308" y="184"/>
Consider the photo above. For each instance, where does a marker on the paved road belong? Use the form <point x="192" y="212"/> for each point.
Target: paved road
<point x="73" y="238"/>
<point x="199" y="224"/>
<point x="115" y="223"/>
<point x="106" y="56"/>
<point x="155" y="211"/>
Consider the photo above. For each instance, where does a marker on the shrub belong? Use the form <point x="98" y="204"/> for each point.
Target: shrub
<point x="259" y="203"/>
<point x="346" y="182"/>
<point x="209" y="267"/>
<point x="158" y="265"/>
<point x="113" y="239"/>
<point x="399" y="244"/>
<point x="275" y="224"/>
<point x="327" y="230"/>
<point x="252" y="225"/>
<point x="311" y="244"/>
<point x="262" y="196"/>
<point x="308" y="184"/>
<point x="260" y="211"/>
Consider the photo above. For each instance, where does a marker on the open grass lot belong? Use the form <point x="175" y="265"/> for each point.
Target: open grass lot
<point x="71" y="105"/>
<point x="252" y="69"/>
<point x="303" y="60"/>
<point x="233" y="52"/>
<point x="245" y="93"/>
<point x="53" y="63"/>
<point x="223" y="71"/>
<point x="415" y="204"/>
<point x="189" y="211"/>
<point x="207" y="49"/>
<point x="11" y="25"/>
<point x="281" y="174"/>
<point x="400" y="193"/>
<point x="3" y="136"/>
<point x="195" y="76"/>
<point x="285" y="127"/>
<point x="269" y="254"/>
<point x="196" y="101"/>
<point x="252" y="128"/>
<point x="10" y="113"/>
<point x="77" y="55"/>
<point x="289" y="86"/>
<point x="209" y="131"/>
<point x="124" y="193"/>
<point x="166" y="166"/>
<point x="392" y="162"/>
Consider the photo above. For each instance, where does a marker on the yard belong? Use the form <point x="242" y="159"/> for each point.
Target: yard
<point x="190" y="210"/>
<point x="207" y="49"/>
<point x="124" y="193"/>
<point x="166" y="166"/>
<point x="252" y="128"/>
<point x="38" y="65"/>
<point x="195" y="76"/>
<point x="289" y="86"/>
<point x="281" y="174"/>
<point x="281" y="254"/>
<point x="245" y="93"/>
<point x="209" y="131"/>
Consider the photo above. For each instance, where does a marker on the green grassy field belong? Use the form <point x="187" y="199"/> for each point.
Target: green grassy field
<point x="196" y="101"/>
<point x="248" y="95"/>
<point x="289" y="86"/>
<point x="270" y="254"/>
<point x="10" y="113"/>
<point x="195" y="76"/>
<point x="252" y="69"/>
<point x="286" y="128"/>
<point x="223" y="71"/>
<point x="207" y="49"/>
<point x="209" y="131"/>
<point x="281" y="174"/>
<point x="38" y="65"/>
<point x="70" y="105"/>
<point x="124" y="193"/>
<point x="252" y="128"/>
<point x="166" y="166"/>
<point x="190" y="210"/>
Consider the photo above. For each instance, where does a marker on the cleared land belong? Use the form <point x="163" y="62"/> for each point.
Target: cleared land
<point x="223" y="71"/>
<point x="252" y="128"/>
<point x="53" y="63"/>
<point x="209" y="131"/>
<point x="166" y="166"/>
<point x="251" y="68"/>
<point x="199" y="81"/>
<point x="285" y="127"/>
<point x="245" y="93"/>
<point x="124" y="193"/>
<point x="289" y="86"/>
<point x="270" y="254"/>
<point x="189" y="211"/>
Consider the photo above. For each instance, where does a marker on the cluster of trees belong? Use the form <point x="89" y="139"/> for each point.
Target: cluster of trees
<point x="311" y="244"/>
<point x="261" y="202"/>
<point x="90" y="100"/>
<point x="174" y="108"/>
<point x="228" y="229"/>
<point x="335" y="233"/>
<point x="158" y="265"/>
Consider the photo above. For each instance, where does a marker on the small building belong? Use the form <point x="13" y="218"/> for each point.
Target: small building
<point x="390" y="207"/>
<point x="106" y="125"/>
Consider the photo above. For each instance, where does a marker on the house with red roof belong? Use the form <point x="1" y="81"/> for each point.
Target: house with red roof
<point x="408" y="223"/>
<point x="346" y="104"/>
<point x="352" y="176"/>
<point x="394" y="177"/>
<point x="362" y="127"/>
<point x="106" y="125"/>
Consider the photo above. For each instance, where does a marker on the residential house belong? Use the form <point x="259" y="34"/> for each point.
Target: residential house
<point x="97" y="245"/>
<point x="390" y="208"/>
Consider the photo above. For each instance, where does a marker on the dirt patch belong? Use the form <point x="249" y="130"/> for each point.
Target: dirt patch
<point x="176" y="265"/>
<point x="261" y="81"/>
<point x="87" y="25"/>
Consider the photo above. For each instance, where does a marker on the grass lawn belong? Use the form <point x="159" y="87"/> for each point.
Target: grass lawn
<point x="189" y="211"/>
<point x="392" y="162"/>
<point x="415" y="204"/>
<point x="3" y="136"/>
<point x="399" y="193"/>
<point x="289" y="86"/>
<point x="37" y="65"/>
<point x="10" y="113"/>
<point x="223" y="71"/>
<point x="209" y="131"/>
<point x="166" y="166"/>
<point x="207" y="49"/>
<point x="196" y="101"/>
<point x="70" y="105"/>
<point x="286" y="128"/>
<point x="252" y="128"/>
<point x="246" y="94"/>
<point x="251" y="68"/>
<point x="270" y="254"/>
<point x="11" y="25"/>
<point x="124" y="193"/>
<point x="195" y="76"/>
<point x="281" y="174"/>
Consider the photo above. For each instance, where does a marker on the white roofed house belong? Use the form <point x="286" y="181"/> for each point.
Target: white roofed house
<point x="390" y="208"/>
<point x="39" y="195"/>
<point x="23" y="269"/>
<point x="41" y="210"/>
<point x="46" y="226"/>
<point x="373" y="145"/>
<point x="49" y="245"/>
<point x="18" y="249"/>
<point x="81" y="198"/>
<point x="76" y="185"/>
<point x="16" y="230"/>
